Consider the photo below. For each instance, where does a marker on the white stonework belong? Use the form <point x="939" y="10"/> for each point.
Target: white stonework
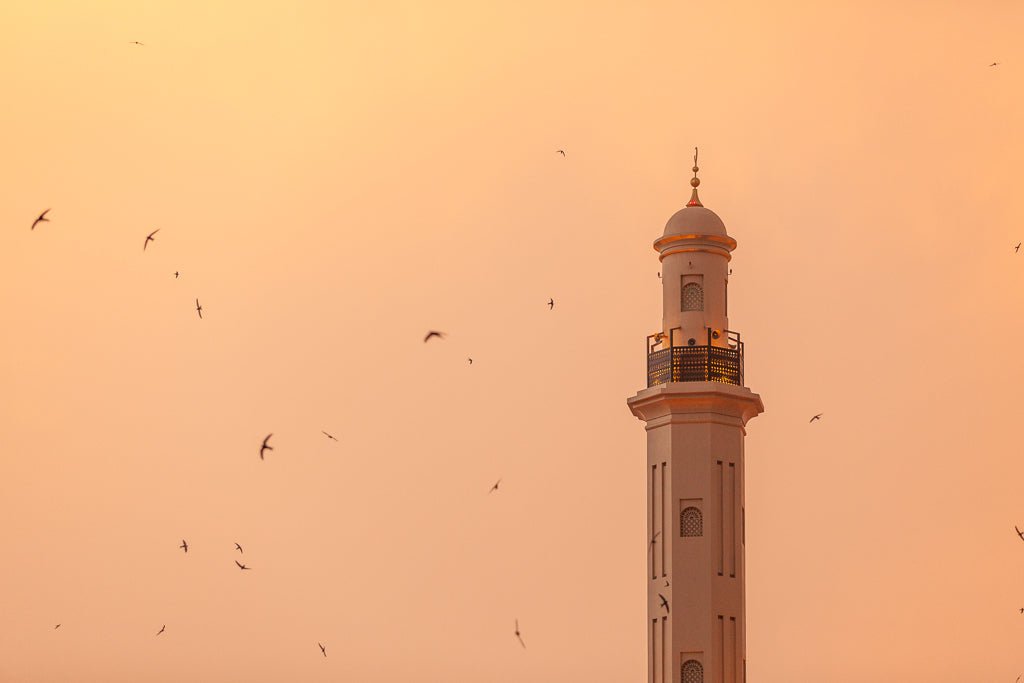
<point x="695" y="465"/>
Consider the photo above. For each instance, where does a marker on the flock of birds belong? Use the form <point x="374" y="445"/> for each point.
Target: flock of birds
<point x="431" y="334"/>
<point x="265" y="445"/>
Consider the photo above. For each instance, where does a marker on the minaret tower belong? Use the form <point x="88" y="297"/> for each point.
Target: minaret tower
<point x="696" y="409"/>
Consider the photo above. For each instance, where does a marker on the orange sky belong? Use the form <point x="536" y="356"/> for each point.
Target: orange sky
<point x="333" y="179"/>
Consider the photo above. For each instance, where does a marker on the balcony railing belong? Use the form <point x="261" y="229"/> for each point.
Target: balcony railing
<point x="706" y="363"/>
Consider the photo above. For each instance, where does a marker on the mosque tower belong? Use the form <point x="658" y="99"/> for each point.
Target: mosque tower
<point x="696" y="408"/>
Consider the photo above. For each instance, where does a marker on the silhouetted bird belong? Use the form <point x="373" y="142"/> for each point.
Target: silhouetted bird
<point x="551" y="304"/>
<point x="175" y="275"/>
<point x="241" y="566"/>
<point x="329" y="436"/>
<point x="730" y="271"/>
<point x="654" y="539"/>
<point x="1022" y="610"/>
<point x="995" y="63"/>
<point x="816" y="417"/>
<point x="495" y="487"/>
<point x="42" y="219"/>
<point x="135" y="42"/>
<point x="323" y="649"/>
<point x="659" y="274"/>
<point x="664" y="603"/>
<point x="56" y="627"/>
<point x="239" y="548"/>
<point x="184" y="545"/>
<point x="432" y="333"/>
<point x="470" y="360"/>
<point x="666" y="583"/>
<point x="149" y="238"/>
<point x="560" y="151"/>
<point x="199" y="309"/>
<point x="161" y="629"/>
<point x="519" y="635"/>
<point x="1017" y="248"/>
<point x="1019" y="532"/>
<point x="265" y="447"/>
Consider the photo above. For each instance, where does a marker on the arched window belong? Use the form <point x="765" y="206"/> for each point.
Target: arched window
<point x="691" y="522"/>
<point x="693" y="297"/>
<point x="693" y="672"/>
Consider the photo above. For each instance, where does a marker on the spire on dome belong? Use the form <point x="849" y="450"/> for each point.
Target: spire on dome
<point x="694" y="182"/>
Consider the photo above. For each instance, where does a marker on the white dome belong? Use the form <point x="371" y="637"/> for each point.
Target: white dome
<point x="695" y="220"/>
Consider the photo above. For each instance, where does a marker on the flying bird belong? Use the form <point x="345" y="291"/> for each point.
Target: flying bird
<point x="176" y="275"/>
<point x="470" y="360"/>
<point x="161" y="629"/>
<point x="432" y="333"/>
<point x="816" y="417"/>
<point x="560" y="151"/>
<point x="56" y="627"/>
<point x="551" y="304"/>
<point x="995" y="63"/>
<point x="135" y="42"/>
<point x="149" y="238"/>
<point x="329" y="436"/>
<point x="241" y="566"/>
<point x="1019" y="532"/>
<point x="664" y="602"/>
<point x="42" y="219"/>
<point x="239" y="548"/>
<point x="659" y="274"/>
<point x="654" y="539"/>
<point x="323" y="649"/>
<point x="519" y="635"/>
<point x="184" y="545"/>
<point x="1017" y="248"/>
<point x="495" y="487"/>
<point x="1021" y="611"/>
<point x="199" y="309"/>
<point x="666" y="583"/>
<point x="265" y="447"/>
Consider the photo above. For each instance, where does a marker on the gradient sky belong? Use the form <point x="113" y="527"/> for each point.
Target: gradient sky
<point x="334" y="179"/>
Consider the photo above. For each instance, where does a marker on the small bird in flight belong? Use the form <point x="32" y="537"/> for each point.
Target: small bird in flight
<point x="816" y="417"/>
<point x="184" y="545"/>
<point x="149" y="238"/>
<point x="470" y="360"/>
<point x="654" y="539"/>
<point x="56" y="627"/>
<point x="995" y="63"/>
<point x="241" y="566"/>
<point x="1017" y="248"/>
<point x="495" y="487"/>
<point x="659" y="274"/>
<point x="664" y="603"/>
<point x="560" y="151"/>
<point x="161" y="629"/>
<point x="1022" y="610"/>
<point x="176" y="275"/>
<point x="135" y="42"/>
<point x="519" y="635"/>
<point x="42" y="219"/>
<point x="199" y="309"/>
<point x="432" y="333"/>
<point x="265" y="447"/>
<point x="1019" y="532"/>
<point x="666" y="583"/>
<point x="323" y="649"/>
<point x="239" y="548"/>
<point x="329" y="436"/>
<point x="551" y="304"/>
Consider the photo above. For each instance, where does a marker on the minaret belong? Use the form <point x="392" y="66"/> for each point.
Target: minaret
<point x="696" y="409"/>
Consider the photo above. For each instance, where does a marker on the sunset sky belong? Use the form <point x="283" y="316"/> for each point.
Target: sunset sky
<point x="333" y="179"/>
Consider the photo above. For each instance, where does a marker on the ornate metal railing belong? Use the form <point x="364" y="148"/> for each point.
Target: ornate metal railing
<point x="705" y="363"/>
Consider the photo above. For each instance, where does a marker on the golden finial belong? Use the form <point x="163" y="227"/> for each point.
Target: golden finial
<point x="694" y="182"/>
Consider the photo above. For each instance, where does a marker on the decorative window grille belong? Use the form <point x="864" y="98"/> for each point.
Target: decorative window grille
<point x="691" y="522"/>
<point x="693" y="297"/>
<point x="693" y="672"/>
